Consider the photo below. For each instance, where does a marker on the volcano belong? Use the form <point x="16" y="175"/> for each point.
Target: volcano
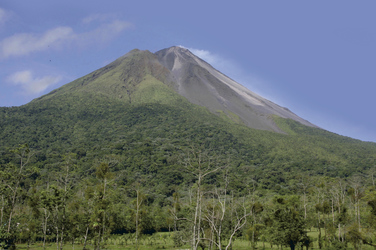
<point x="175" y="73"/>
<point x="146" y="110"/>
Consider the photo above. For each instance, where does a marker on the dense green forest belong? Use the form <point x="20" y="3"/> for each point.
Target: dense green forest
<point x="209" y="208"/>
<point x="86" y="167"/>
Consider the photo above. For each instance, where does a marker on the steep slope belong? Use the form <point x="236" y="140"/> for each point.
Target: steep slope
<point x="172" y="76"/>
<point x="201" y="84"/>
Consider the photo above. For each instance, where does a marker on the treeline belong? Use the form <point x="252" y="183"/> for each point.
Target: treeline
<point x="208" y="206"/>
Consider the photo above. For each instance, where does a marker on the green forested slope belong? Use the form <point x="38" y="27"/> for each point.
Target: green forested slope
<point x="152" y="137"/>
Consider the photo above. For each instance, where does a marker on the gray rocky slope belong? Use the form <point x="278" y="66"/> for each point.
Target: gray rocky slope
<point x="203" y="85"/>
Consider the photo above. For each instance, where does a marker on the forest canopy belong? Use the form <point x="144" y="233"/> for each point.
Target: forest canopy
<point x="83" y="171"/>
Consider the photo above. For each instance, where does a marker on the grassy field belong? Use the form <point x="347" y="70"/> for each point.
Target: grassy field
<point x="164" y="241"/>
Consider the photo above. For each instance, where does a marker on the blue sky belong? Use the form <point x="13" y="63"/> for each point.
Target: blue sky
<point x="318" y="58"/>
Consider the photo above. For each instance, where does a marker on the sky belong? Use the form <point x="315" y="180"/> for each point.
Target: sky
<point x="317" y="58"/>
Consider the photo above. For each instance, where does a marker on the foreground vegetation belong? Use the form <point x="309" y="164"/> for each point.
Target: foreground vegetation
<point x="165" y="241"/>
<point x="211" y="210"/>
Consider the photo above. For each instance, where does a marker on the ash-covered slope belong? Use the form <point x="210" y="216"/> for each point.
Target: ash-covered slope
<point x="201" y="84"/>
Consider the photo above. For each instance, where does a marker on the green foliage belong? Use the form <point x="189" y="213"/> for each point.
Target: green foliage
<point x="288" y="225"/>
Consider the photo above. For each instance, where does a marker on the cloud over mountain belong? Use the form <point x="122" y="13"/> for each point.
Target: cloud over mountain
<point x="30" y="84"/>
<point x="4" y="16"/>
<point x="23" y="44"/>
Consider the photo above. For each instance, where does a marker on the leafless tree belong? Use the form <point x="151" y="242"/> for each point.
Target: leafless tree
<point x="220" y="205"/>
<point x="200" y="165"/>
<point x="24" y="154"/>
<point x="304" y="184"/>
<point x="338" y="195"/>
<point x="138" y="202"/>
<point x="356" y="183"/>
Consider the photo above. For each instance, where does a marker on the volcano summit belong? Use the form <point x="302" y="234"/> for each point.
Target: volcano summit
<point x="142" y="76"/>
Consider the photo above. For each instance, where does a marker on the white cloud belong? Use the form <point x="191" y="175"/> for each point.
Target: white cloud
<point x="224" y="65"/>
<point x="103" y="33"/>
<point x="4" y="15"/>
<point x="232" y="69"/>
<point x="31" y="85"/>
<point x="207" y="56"/>
<point x="27" y="43"/>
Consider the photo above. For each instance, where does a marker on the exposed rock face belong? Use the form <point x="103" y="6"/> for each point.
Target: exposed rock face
<point x="201" y="84"/>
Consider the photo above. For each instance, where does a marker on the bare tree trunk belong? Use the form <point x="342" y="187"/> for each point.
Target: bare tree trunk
<point x="320" y="243"/>
<point x="87" y="231"/>
<point x="195" y="239"/>
<point x="62" y="238"/>
<point x="240" y="222"/>
<point x="23" y="152"/>
<point x="104" y="212"/>
<point x="57" y="237"/>
<point x="359" y="215"/>
<point x="304" y="184"/>
<point x="305" y="206"/>
<point x="10" y="219"/>
<point x="196" y="164"/>
<point x="2" y="209"/>
<point x="139" y="201"/>
<point x="356" y="183"/>
<point x="44" y="226"/>
<point x="333" y="209"/>
<point x="199" y="223"/>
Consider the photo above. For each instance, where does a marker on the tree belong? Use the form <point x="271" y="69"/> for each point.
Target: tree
<point x="11" y="180"/>
<point x="253" y="233"/>
<point x="320" y="196"/>
<point x="338" y="193"/>
<point x="56" y="199"/>
<point x="224" y="214"/>
<point x="175" y="208"/>
<point x="24" y="154"/>
<point x="200" y="165"/>
<point x="239" y="215"/>
<point x="304" y="184"/>
<point x="87" y="210"/>
<point x="288" y="222"/>
<point x="99" y="217"/>
<point x="138" y="212"/>
<point x="46" y="204"/>
<point x="65" y="180"/>
<point x="356" y="193"/>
